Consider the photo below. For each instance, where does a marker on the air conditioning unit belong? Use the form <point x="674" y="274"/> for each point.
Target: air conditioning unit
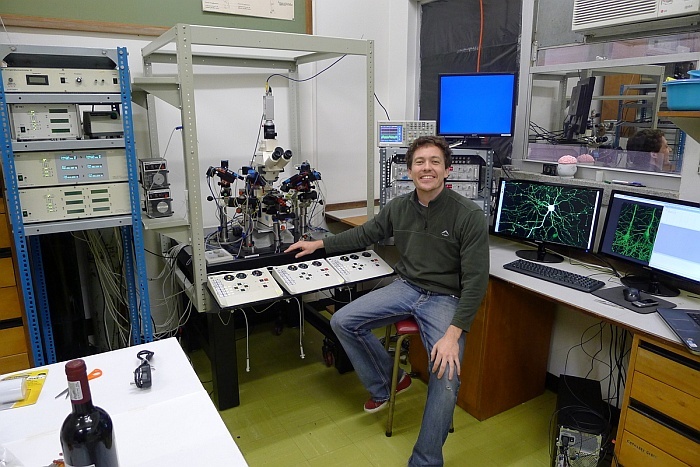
<point x="596" y="18"/>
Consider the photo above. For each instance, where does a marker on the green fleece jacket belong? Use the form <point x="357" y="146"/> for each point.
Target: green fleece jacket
<point x="444" y="247"/>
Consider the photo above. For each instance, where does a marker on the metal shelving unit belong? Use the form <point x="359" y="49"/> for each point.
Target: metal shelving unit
<point x="26" y="240"/>
<point x="644" y="102"/>
<point x="483" y="157"/>
<point x="193" y="47"/>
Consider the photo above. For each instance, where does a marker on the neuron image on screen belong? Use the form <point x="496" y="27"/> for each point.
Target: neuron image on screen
<point x="657" y="233"/>
<point x="547" y="213"/>
<point x="635" y="231"/>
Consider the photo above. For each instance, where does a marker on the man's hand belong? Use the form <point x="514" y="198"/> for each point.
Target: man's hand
<point x="445" y="353"/>
<point x="306" y="247"/>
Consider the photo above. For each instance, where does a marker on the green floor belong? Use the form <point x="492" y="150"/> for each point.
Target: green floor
<point x="298" y="412"/>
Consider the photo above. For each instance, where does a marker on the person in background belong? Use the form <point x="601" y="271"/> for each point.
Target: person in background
<point x="648" y="150"/>
<point x="443" y="271"/>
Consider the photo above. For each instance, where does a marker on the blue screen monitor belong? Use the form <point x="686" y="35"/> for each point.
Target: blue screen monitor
<point x="659" y="234"/>
<point x="475" y="105"/>
<point x="547" y="214"/>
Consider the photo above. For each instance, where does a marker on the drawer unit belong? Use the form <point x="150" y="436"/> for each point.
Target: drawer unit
<point x="13" y="350"/>
<point x="13" y="340"/>
<point x="11" y="308"/>
<point x="660" y="416"/>
<point x="7" y="272"/>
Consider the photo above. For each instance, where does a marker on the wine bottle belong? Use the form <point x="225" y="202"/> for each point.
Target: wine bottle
<point x="87" y="435"/>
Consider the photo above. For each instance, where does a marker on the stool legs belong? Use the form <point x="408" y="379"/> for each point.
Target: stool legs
<point x="394" y="382"/>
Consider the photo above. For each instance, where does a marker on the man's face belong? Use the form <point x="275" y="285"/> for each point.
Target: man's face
<point x="428" y="170"/>
<point x="662" y="157"/>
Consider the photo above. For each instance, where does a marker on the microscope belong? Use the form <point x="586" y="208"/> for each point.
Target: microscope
<point x="263" y="208"/>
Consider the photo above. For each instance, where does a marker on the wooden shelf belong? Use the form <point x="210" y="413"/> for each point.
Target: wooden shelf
<point x="687" y="120"/>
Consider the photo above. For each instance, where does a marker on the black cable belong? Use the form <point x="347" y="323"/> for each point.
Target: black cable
<point x="310" y="77"/>
<point x="380" y="104"/>
<point x="155" y="254"/>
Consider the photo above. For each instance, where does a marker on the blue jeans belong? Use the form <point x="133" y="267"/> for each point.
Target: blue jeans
<point x="433" y="313"/>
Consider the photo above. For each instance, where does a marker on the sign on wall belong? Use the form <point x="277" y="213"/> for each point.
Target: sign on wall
<point x="277" y="9"/>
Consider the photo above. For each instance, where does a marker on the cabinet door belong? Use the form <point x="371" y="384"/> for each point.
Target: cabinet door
<point x="9" y="303"/>
<point x="504" y="364"/>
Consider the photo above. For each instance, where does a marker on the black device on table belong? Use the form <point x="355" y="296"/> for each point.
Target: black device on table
<point x="685" y="324"/>
<point x="659" y="234"/>
<point x="548" y="213"/>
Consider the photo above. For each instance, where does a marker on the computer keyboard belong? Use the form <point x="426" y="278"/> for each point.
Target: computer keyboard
<point x="554" y="275"/>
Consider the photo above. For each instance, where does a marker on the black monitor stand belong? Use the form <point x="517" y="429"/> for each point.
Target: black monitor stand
<point x="541" y="255"/>
<point x="471" y="143"/>
<point x="651" y="285"/>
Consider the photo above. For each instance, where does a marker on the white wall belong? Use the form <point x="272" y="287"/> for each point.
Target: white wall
<point x="338" y="96"/>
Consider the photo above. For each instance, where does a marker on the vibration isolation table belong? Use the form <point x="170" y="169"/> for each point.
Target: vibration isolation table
<point x="233" y="282"/>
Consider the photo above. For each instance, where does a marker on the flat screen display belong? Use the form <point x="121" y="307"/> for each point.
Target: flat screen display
<point x="476" y="104"/>
<point x="547" y="214"/>
<point x="660" y="234"/>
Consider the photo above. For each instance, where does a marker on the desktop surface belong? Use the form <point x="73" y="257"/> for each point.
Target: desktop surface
<point x="503" y="251"/>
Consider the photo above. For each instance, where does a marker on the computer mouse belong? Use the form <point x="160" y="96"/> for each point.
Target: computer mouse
<point x="631" y="294"/>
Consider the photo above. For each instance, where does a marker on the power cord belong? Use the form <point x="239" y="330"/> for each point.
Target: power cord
<point x="142" y="373"/>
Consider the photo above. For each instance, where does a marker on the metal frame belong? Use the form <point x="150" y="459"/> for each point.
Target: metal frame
<point x="178" y="91"/>
<point x="29" y="259"/>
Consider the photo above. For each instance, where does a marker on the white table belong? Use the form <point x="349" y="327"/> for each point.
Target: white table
<point x="172" y="423"/>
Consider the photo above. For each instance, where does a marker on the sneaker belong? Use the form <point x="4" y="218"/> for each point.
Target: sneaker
<point x="372" y="406"/>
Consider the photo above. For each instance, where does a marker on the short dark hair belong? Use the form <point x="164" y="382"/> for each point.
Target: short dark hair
<point x="437" y="141"/>
<point x="646" y="140"/>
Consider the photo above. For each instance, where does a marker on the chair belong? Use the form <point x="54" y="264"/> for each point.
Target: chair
<point x="404" y="328"/>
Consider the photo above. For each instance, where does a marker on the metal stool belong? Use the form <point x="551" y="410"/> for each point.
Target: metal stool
<point x="404" y="328"/>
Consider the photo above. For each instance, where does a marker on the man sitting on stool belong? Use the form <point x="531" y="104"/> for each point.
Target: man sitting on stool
<point x="443" y="271"/>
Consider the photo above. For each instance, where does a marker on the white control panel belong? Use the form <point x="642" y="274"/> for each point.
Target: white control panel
<point x="360" y="266"/>
<point x="47" y="168"/>
<point x="31" y="122"/>
<point x="402" y="133"/>
<point x="469" y="190"/>
<point x="217" y="255"/>
<point x="240" y="287"/>
<point x="59" y="203"/>
<point x="17" y="79"/>
<point x="307" y="276"/>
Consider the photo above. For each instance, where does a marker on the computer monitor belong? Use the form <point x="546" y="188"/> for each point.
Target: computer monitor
<point x="547" y="214"/>
<point x="476" y="105"/>
<point x="659" y="234"/>
<point x="579" y="109"/>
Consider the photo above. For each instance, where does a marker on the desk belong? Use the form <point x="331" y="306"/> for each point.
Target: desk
<point x="172" y="423"/>
<point x="351" y="217"/>
<point x="505" y="359"/>
<point x="503" y="252"/>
